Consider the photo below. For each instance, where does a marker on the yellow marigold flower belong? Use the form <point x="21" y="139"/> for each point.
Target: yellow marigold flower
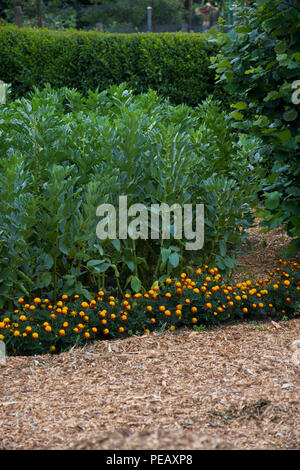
<point x="65" y="310"/>
<point x="113" y="316"/>
<point x="121" y="329"/>
<point x="238" y="298"/>
<point x="127" y="296"/>
<point x="220" y="309"/>
<point x="124" y="317"/>
<point x="286" y="283"/>
<point x="28" y="329"/>
<point x="183" y="275"/>
<point x="138" y="295"/>
<point x="194" y="320"/>
<point x="76" y="330"/>
<point x="260" y="305"/>
<point x="104" y="321"/>
<point x="245" y="310"/>
<point x="215" y="314"/>
<point x="196" y="290"/>
<point x="64" y="297"/>
<point x="194" y="309"/>
<point x="178" y="313"/>
<point x="199" y="271"/>
<point x="20" y="300"/>
<point x="208" y="279"/>
<point x="86" y="335"/>
<point x="35" y="335"/>
<point x="187" y="301"/>
<point x="53" y="316"/>
<point x="17" y="333"/>
<point x="48" y="329"/>
<point x="161" y="308"/>
<point x="172" y="327"/>
<point x="76" y="296"/>
<point x="60" y="303"/>
<point x="94" y="329"/>
<point x="230" y="304"/>
<point x="177" y="284"/>
<point x="275" y="286"/>
<point x="153" y="320"/>
<point x="32" y="308"/>
<point x="149" y="308"/>
<point x="168" y="295"/>
<point x="1" y="337"/>
<point x="65" y="324"/>
<point x="128" y="307"/>
<point x="168" y="280"/>
<point x="84" y="305"/>
<point x="208" y="305"/>
<point x="37" y="300"/>
<point x="156" y="288"/>
<point x="167" y="313"/>
<point x="52" y="348"/>
<point x="106" y="331"/>
<point x="2" y="324"/>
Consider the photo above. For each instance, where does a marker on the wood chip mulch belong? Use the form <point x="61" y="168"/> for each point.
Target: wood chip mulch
<point x="231" y="387"/>
<point x="235" y="386"/>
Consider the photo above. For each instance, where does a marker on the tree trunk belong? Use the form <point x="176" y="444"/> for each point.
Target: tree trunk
<point x="39" y="13"/>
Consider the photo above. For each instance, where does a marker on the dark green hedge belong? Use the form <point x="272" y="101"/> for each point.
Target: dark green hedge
<point x="174" y="64"/>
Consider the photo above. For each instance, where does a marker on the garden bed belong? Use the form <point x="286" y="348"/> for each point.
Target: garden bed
<point x="231" y="386"/>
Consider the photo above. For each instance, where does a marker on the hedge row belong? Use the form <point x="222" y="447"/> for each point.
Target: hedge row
<point x="174" y="64"/>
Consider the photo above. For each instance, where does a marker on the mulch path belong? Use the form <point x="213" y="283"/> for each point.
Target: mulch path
<point x="230" y="387"/>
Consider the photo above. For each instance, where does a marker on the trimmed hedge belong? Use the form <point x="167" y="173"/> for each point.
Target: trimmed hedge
<point x="176" y="65"/>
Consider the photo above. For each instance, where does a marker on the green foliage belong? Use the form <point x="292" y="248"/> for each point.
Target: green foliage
<point x="260" y="64"/>
<point x="176" y="65"/>
<point x="205" y="299"/>
<point x="64" y="154"/>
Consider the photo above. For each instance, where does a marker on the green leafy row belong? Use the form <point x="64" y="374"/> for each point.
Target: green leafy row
<point x="62" y="155"/>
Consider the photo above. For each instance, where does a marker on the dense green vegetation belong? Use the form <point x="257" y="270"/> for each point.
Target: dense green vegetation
<point x="66" y="154"/>
<point x="260" y="65"/>
<point x="175" y="65"/>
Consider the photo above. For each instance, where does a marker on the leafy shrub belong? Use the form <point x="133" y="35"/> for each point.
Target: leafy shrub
<point x="43" y="326"/>
<point x="174" y="64"/>
<point x="260" y="65"/>
<point x="63" y="155"/>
